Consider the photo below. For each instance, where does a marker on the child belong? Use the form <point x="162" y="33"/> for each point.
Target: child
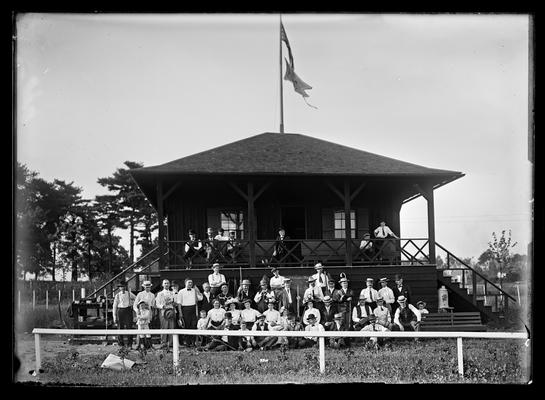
<point x="422" y="307"/>
<point x="245" y="342"/>
<point x="143" y="319"/>
<point x="202" y="323"/>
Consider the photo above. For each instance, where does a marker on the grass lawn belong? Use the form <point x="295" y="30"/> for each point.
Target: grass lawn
<point x="427" y="361"/>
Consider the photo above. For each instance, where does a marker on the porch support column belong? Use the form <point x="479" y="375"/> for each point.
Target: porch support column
<point x="427" y="192"/>
<point x="347" y="223"/>
<point x="160" y="219"/>
<point x="251" y="223"/>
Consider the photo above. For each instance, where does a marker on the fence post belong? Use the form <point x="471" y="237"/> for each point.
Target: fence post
<point x="19" y="300"/>
<point x="175" y="352"/>
<point x="38" y="353"/>
<point x="321" y="342"/>
<point x="73" y="295"/>
<point x="33" y="299"/>
<point x="46" y="299"/>
<point x="460" y="356"/>
<point x="59" y="296"/>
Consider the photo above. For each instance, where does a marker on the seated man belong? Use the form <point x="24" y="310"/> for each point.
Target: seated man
<point x="338" y="326"/>
<point x="328" y="313"/>
<point x="262" y="342"/>
<point x="407" y="317"/>
<point x="225" y="342"/>
<point x="312" y="326"/>
<point x="382" y="314"/>
<point x="245" y="342"/>
<point x="367" y="248"/>
<point x="290" y="323"/>
<point x="362" y="314"/>
<point x="262" y="297"/>
<point x="224" y="294"/>
<point x="244" y="292"/>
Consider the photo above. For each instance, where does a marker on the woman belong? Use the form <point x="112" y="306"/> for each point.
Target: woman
<point x="309" y="310"/>
<point x="249" y="314"/>
<point x="215" y="279"/>
<point x="215" y="315"/>
<point x="236" y="315"/>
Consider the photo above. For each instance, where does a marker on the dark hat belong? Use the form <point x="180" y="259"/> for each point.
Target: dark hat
<point x="311" y="316"/>
<point x="247" y="300"/>
<point x="192" y="232"/>
<point x="281" y="229"/>
<point x="259" y="316"/>
<point x="398" y="277"/>
<point x="122" y="284"/>
<point x="228" y="315"/>
<point x="221" y="230"/>
<point x="223" y="284"/>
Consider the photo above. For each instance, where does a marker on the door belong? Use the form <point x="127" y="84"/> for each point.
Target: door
<point x="293" y="221"/>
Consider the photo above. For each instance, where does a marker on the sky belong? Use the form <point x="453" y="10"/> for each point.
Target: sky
<point x="442" y="91"/>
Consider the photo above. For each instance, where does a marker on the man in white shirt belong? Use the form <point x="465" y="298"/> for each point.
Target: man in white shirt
<point x="321" y="277"/>
<point x="384" y="246"/>
<point x="407" y="317"/>
<point x="313" y="292"/>
<point x="122" y="312"/>
<point x="370" y="293"/>
<point x="187" y="300"/>
<point x="145" y="295"/>
<point x="383" y="231"/>
<point x="164" y="301"/>
<point x="220" y="237"/>
<point x="366" y="247"/>
<point x="276" y="282"/>
<point x="215" y="279"/>
<point x="387" y="294"/>
<point x="382" y="314"/>
<point x="362" y="314"/>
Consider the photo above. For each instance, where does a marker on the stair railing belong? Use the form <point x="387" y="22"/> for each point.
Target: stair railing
<point x="127" y="270"/>
<point x="474" y="275"/>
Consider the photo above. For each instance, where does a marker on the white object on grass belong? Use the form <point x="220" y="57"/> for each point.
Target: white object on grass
<point x="116" y="363"/>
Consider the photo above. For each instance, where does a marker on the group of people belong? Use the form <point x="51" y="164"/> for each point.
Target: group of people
<point x="216" y="246"/>
<point x="275" y="306"/>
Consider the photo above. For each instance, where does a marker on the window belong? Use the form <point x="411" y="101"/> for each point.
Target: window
<point x="339" y="224"/>
<point x="233" y="221"/>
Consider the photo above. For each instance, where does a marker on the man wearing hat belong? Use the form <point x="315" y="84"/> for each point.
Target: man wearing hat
<point x="145" y="295"/>
<point x="344" y="297"/>
<point x="276" y="282"/>
<point x="312" y="326"/>
<point x="262" y="297"/>
<point x="330" y="290"/>
<point x="123" y="312"/>
<point x="401" y="289"/>
<point x="164" y="301"/>
<point x="215" y="279"/>
<point x="192" y="247"/>
<point x="407" y="317"/>
<point x="245" y="292"/>
<point x="288" y="298"/>
<point x="314" y="293"/>
<point x="207" y="297"/>
<point x="187" y="300"/>
<point x="321" y="277"/>
<point x="262" y="342"/>
<point x="338" y="326"/>
<point x="387" y="294"/>
<point x="328" y="313"/>
<point x="281" y="247"/>
<point x="370" y="293"/>
<point x="362" y="314"/>
<point x="224" y="294"/>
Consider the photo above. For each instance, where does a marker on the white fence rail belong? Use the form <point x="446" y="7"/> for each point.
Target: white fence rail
<point x="320" y="335"/>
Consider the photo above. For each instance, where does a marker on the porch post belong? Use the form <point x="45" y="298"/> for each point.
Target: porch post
<point x="431" y="223"/>
<point x="160" y="219"/>
<point x="251" y="223"/>
<point x="347" y="223"/>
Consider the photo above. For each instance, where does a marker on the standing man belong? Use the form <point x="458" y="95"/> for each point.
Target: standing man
<point x="262" y="297"/>
<point x="122" y="312"/>
<point x="215" y="279"/>
<point x="276" y="282"/>
<point x="192" y="248"/>
<point x="288" y="298"/>
<point x="321" y="277"/>
<point x="370" y="293"/>
<point x="167" y="313"/>
<point x="281" y="248"/>
<point x="314" y="293"/>
<point x="207" y="298"/>
<point x="401" y="289"/>
<point x="387" y="294"/>
<point x="148" y="298"/>
<point x="187" y="300"/>
<point x="382" y="233"/>
<point x="343" y="298"/>
<point x="330" y="289"/>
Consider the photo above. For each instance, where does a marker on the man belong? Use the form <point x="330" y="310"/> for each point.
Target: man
<point x="288" y="298"/>
<point x="338" y="326"/>
<point x="262" y="297"/>
<point x="407" y="317"/>
<point x="244" y="292"/>
<point x="233" y="246"/>
<point x="281" y="247"/>
<point x="215" y="279"/>
<point x="187" y="300"/>
<point x="276" y="282"/>
<point x="224" y="294"/>
<point x="401" y="289"/>
<point x="386" y="247"/>
<point x="220" y="237"/>
<point x="312" y="326"/>
<point x="313" y="293"/>
<point x="122" y="313"/>
<point x="370" y="293"/>
<point x="387" y="294"/>
<point x="330" y="289"/>
<point x="293" y="325"/>
<point x="164" y="302"/>
<point x="321" y="277"/>
<point x="224" y="343"/>
<point x="383" y="231"/>
<point x="207" y="298"/>
<point x="343" y="297"/>
<point x="366" y="247"/>
<point x="192" y="247"/>
<point x="209" y="245"/>
<point x="149" y="298"/>
<point x="328" y="313"/>
<point x="362" y="315"/>
<point x="382" y="314"/>
<point x="379" y="321"/>
<point x="262" y="342"/>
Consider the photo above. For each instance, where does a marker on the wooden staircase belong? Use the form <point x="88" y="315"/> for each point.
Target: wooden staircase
<point x="464" y="294"/>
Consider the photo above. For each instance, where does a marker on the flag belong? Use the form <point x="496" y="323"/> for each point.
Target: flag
<point x="298" y="84"/>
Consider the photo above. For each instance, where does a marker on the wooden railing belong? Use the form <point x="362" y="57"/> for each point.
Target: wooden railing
<point x="307" y="252"/>
<point x="471" y="279"/>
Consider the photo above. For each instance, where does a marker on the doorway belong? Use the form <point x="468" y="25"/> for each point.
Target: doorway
<point x="294" y="222"/>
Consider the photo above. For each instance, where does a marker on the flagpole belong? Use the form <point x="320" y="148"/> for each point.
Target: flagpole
<point x="281" y="85"/>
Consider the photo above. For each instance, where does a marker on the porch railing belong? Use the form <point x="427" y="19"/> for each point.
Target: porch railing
<point x="307" y="252"/>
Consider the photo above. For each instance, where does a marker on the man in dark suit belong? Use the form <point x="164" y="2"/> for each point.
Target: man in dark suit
<point x="400" y="289"/>
<point x="207" y="298"/>
<point x="288" y="298"/>
<point x="281" y="248"/>
<point x="330" y="289"/>
<point x="338" y="326"/>
<point x="245" y="292"/>
<point x="328" y="312"/>
<point x="344" y="298"/>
